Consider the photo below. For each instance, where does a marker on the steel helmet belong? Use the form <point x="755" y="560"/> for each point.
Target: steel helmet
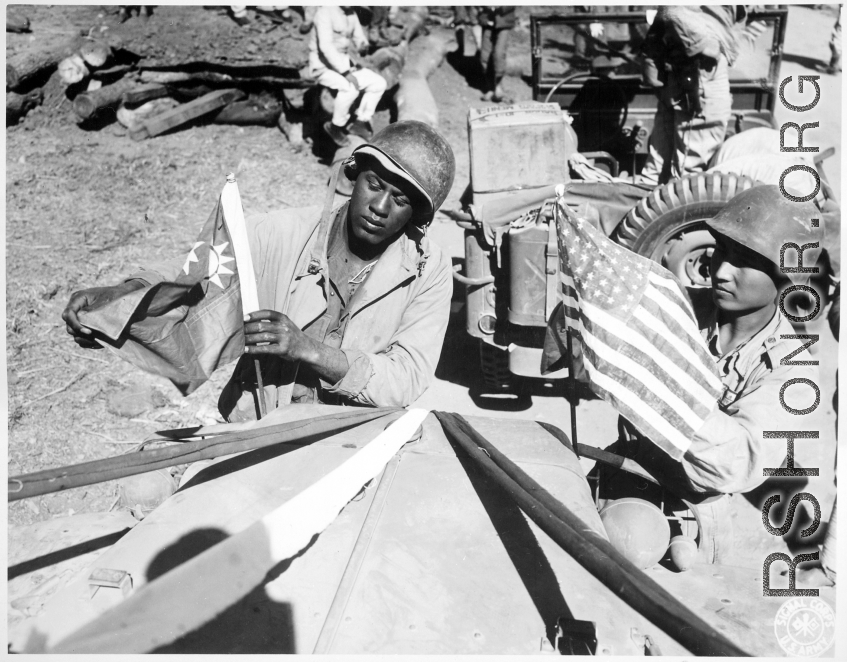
<point x="417" y="153"/>
<point x="637" y="529"/>
<point x="762" y="219"/>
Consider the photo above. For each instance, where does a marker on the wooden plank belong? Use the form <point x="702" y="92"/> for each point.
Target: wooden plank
<point x="186" y="113"/>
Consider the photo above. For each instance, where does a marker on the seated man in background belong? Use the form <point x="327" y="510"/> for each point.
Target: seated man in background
<point x="336" y="41"/>
<point x="356" y="300"/>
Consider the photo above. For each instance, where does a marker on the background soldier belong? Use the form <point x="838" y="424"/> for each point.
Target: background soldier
<point x="687" y="55"/>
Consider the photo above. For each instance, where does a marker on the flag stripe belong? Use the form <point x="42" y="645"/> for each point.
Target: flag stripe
<point x="570" y="291"/>
<point x="649" y="352"/>
<point x="659" y="321"/>
<point x="672" y="309"/>
<point x="566" y="280"/>
<point x="635" y="419"/>
<point x="634" y="386"/>
<point x="649" y="380"/>
<point x="571" y="306"/>
<point x="661" y="308"/>
<point x="662" y="427"/>
<point x="641" y="344"/>
<point x="673" y="291"/>
<point x="671" y="349"/>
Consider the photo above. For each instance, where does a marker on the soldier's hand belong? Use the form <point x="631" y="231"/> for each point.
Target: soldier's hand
<point x="352" y="80"/>
<point x="91" y="299"/>
<point x="267" y="332"/>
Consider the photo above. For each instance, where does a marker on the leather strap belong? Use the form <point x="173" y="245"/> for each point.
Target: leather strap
<point x="318" y="255"/>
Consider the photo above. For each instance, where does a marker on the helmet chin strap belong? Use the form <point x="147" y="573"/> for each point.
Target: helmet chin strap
<point x="316" y="260"/>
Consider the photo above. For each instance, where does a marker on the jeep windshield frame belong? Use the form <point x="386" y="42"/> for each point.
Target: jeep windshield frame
<point x="750" y="92"/>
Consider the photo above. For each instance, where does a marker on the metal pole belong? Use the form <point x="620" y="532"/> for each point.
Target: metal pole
<point x="572" y="399"/>
<point x="260" y="390"/>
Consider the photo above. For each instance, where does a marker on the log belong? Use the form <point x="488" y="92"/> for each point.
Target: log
<point x="245" y="113"/>
<point x="88" y="104"/>
<point x="22" y="68"/>
<point x="18" y="105"/>
<point x="167" y="77"/>
<point x="116" y="70"/>
<point x="95" y="53"/>
<point x="185" y="113"/>
<point x="415" y="23"/>
<point x="414" y="99"/>
<point x="72" y="69"/>
<point x="427" y="53"/>
<point x="16" y="22"/>
<point x="388" y="62"/>
<point x="144" y="93"/>
<point x="589" y="549"/>
<point x="171" y="77"/>
<point x="133" y="118"/>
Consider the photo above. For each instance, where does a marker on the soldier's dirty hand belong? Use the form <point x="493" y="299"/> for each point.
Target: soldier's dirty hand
<point x="91" y="299"/>
<point x="267" y="332"/>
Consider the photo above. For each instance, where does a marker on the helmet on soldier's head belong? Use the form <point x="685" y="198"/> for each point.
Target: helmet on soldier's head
<point x="417" y="153"/>
<point x="763" y="220"/>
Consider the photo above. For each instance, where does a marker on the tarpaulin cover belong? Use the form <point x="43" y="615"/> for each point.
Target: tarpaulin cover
<point x="604" y="204"/>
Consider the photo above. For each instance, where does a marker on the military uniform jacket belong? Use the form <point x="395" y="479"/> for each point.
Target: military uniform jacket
<point x="391" y="331"/>
<point x="729" y="452"/>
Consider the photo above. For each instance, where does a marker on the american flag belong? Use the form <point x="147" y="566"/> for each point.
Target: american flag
<point x="641" y="346"/>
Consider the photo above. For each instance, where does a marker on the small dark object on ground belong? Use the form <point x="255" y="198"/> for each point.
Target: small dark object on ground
<point x="16" y="22"/>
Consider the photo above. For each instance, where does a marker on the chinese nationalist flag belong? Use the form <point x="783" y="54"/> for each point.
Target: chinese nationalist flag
<point x="640" y="342"/>
<point x="215" y="287"/>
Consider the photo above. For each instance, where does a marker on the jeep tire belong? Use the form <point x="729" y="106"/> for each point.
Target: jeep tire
<point x="667" y="226"/>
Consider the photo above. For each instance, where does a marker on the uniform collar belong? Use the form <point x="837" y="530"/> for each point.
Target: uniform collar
<point x="404" y="259"/>
<point x="751" y="349"/>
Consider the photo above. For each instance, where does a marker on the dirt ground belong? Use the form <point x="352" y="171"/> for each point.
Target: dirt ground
<point x="87" y="207"/>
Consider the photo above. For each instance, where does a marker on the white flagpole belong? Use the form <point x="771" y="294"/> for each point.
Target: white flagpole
<point x="237" y="228"/>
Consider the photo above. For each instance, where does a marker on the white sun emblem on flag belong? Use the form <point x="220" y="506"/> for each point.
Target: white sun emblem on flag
<point x="217" y="260"/>
<point x="192" y="257"/>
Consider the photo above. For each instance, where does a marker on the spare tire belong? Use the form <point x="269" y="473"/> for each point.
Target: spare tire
<point x="668" y="225"/>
